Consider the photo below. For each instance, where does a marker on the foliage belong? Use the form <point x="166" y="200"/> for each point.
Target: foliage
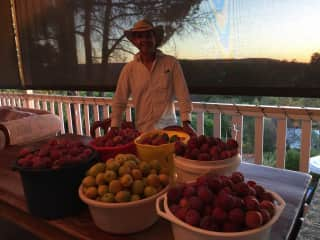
<point x="248" y="135"/>
<point x="269" y="159"/>
<point x="314" y="152"/>
<point x="208" y="124"/>
<point x="292" y="159"/>
<point x="269" y="135"/>
<point x="315" y="58"/>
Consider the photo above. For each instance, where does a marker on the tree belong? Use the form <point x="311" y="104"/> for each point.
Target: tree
<point x="315" y="59"/>
<point x="109" y="18"/>
<point x="101" y="23"/>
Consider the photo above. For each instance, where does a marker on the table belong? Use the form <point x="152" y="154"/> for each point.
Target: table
<point x="292" y="186"/>
<point x="310" y="228"/>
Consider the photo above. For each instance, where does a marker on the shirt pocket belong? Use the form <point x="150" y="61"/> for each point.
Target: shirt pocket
<point x="165" y="79"/>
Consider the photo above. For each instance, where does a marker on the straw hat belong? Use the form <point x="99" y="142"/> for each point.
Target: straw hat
<point x="145" y="25"/>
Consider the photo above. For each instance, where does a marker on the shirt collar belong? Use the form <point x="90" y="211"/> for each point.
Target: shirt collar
<point x="138" y="58"/>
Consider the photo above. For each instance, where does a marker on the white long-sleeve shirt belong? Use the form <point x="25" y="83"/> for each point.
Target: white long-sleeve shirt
<point x="152" y="92"/>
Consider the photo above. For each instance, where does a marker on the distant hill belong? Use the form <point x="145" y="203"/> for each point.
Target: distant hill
<point x="243" y="73"/>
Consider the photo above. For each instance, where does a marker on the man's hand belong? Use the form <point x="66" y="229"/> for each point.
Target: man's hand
<point x="104" y="124"/>
<point x="186" y="126"/>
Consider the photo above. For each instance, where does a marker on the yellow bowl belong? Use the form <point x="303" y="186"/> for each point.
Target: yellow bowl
<point x="163" y="153"/>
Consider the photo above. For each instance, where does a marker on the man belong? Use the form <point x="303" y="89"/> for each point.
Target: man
<point x="153" y="80"/>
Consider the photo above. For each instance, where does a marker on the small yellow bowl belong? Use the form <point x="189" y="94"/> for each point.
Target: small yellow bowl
<point x="163" y="153"/>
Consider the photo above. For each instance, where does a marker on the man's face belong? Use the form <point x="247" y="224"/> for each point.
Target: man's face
<point x="145" y="41"/>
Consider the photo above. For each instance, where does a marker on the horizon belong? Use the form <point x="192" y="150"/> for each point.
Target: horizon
<point x="221" y="59"/>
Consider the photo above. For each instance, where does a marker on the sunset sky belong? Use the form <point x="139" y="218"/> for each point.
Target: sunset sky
<point x="279" y="29"/>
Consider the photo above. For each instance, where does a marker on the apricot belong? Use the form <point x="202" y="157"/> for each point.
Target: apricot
<point x="123" y="196"/>
<point x="137" y="187"/>
<point x="120" y="158"/>
<point x="115" y="186"/>
<point x="130" y="156"/>
<point x="91" y="192"/>
<point x="131" y="164"/>
<point x="123" y="170"/>
<point x="100" y="179"/>
<point x="110" y="175"/>
<point x="164" y="179"/>
<point x="108" y="197"/>
<point x="149" y="191"/>
<point x="89" y="181"/>
<point x="95" y="169"/>
<point x="126" y="180"/>
<point x="145" y="168"/>
<point x="135" y="197"/>
<point x="103" y="189"/>
<point x="153" y="180"/>
<point x="112" y="164"/>
<point x="136" y="174"/>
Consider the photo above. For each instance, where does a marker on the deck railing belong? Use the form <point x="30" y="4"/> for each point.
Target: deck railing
<point x="89" y="109"/>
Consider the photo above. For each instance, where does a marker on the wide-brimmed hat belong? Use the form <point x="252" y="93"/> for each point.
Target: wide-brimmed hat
<point x="145" y="25"/>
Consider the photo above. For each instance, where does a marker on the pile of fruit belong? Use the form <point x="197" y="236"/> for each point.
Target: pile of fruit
<point x="54" y="154"/>
<point x="221" y="203"/>
<point x="117" y="137"/>
<point x="206" y="148"/>
<point x="123" y="179"/>
<point x="159" y="138"/>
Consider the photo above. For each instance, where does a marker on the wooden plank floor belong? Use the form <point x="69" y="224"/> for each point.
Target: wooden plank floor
<point x="10" y="231"/>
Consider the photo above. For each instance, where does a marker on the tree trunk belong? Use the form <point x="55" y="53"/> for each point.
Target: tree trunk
<point x="87" y="39"/>
<point x="105" y="41"/>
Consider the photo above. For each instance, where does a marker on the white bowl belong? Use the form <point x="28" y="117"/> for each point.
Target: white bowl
<point x="182" y="230"/>
<point x="123" y="218"/>
<point x="188" y="170"/>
